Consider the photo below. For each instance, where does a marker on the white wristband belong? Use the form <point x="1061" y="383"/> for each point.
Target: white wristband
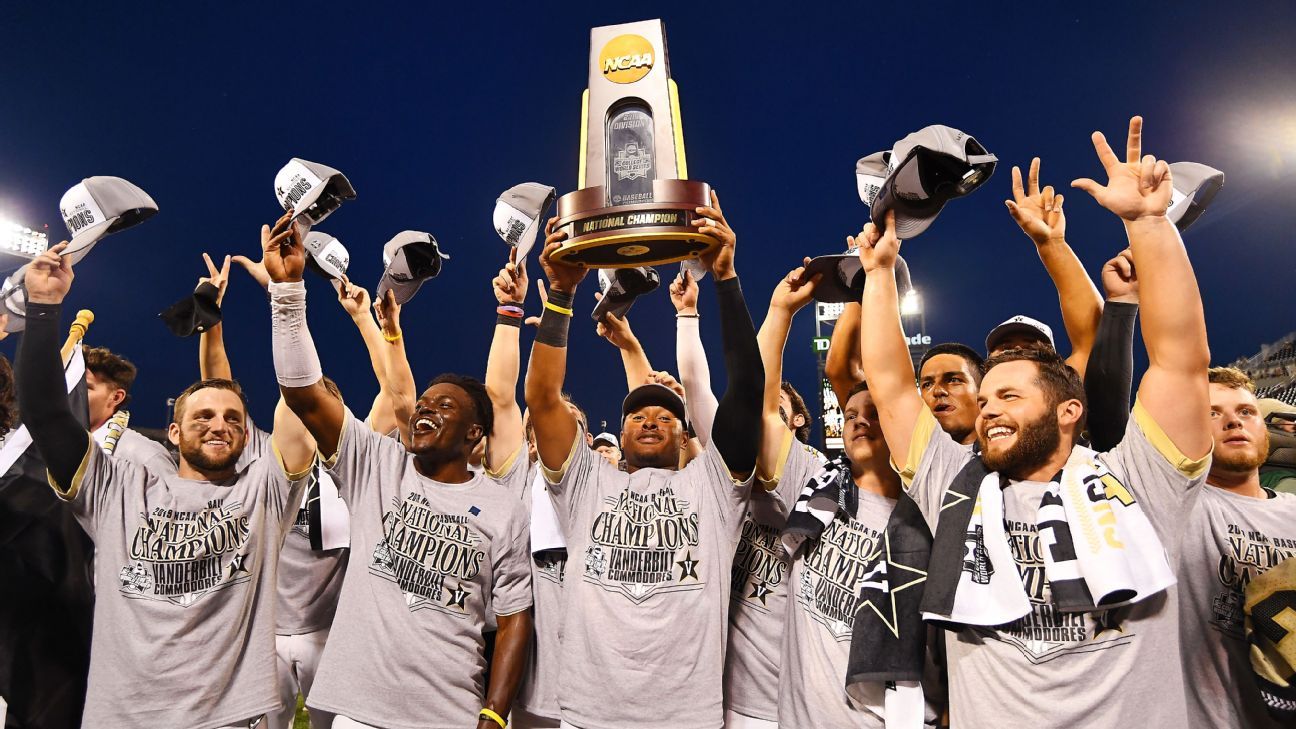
<point x="295" y="361"/>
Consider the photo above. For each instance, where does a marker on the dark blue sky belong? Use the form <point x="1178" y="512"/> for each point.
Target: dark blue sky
<point x="433" y="110"/>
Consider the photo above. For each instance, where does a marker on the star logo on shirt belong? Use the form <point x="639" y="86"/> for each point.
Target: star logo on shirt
<point x="688" y="566"/>
<point x="457" y="597"/>
<point x="760" y="591"/>
<point x="236" y="564"/>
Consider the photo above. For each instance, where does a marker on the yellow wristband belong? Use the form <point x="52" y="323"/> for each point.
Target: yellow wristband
<point x="557" y="308"/>
<point x="393" y="338"/>
<point x="493" y="717"/>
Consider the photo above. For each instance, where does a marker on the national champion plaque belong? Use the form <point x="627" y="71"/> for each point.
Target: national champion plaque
<point x="635" y="201"/>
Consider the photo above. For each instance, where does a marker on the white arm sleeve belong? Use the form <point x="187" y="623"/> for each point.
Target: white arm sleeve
<point x="695" y="376"/>
<point x="295" y="361"/>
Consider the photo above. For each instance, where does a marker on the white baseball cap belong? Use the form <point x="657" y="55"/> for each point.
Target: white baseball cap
<point x="920" y="174"/>
<point x="328" y="257"/>
<point x="100" y="206"/>
<point x="409" y="259"/>
<point x="518" y="212"/>
<point x="311" y="190"/>
<point x="1023" y="325"/>
<point x="1194" y="185"/>
<point x="13" y="296"/>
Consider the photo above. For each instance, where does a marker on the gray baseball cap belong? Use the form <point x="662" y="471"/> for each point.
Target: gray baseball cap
<point x="327" y="256"/>
<point x="841" y="277"/>
<point x="518" y="212"/>
<point x="1020" y="325"/>
<point x="13" y="295"/>
<point x="920" y="174"/>
<point x="100" y="206"/>
<point x="654" y="394"/>
<point x="1195" y="185"/>
<point x="695" y="267"/>
<point x="409" y="259"/>
<point x="621" y="286"/>
<point x="311" y="190"/>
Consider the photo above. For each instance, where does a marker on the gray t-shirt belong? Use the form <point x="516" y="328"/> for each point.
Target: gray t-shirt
<point x="758" y="600"/>
<point x="429" y="559"/>
<point x="184" y="620"/>
<point x="647" y="590"/>
<point x="309" y="581"/>
<point x="146" y="452"/>
<point x="1229" y="540"/>
<point x="1111" y="668"/>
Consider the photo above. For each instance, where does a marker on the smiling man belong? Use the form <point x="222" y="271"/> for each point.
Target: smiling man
<point x="185" y="566"/>
<point x="434" y="544"/>
<point x="1238" y="531"/>
<point x="1087" y="634"/>
<point x="648" y="582"/>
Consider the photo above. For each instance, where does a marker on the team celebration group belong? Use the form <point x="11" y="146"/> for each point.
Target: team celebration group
<point x="1012" y="537"/>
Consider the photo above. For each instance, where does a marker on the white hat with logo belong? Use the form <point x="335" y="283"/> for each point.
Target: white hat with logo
<point x="100" y="206"/>
<point x="312" y="191"/>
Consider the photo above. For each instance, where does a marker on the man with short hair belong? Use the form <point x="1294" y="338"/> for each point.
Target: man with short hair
<point x="436" y="545"/>
<point x="109" y="377"/>
<point x="949" y="377"/>
<point x="185" y="565"/>
<point x="1029" y="640"/>
<point x="1238" y="531"/>
<point x="647" y="588"/>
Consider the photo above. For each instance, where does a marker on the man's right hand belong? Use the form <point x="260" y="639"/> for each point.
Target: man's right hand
<point x="877" y="249"/>
<point x="616" y="329"/>
<point x="562" y="277"/>
<point x="1120" y="279"/>
<point x="354" y="299"/>
<point x="282" y="252"/>
<point x="1037" y="212"/>
<point x="511" y="284"/>
<point x="684" y="293"/>
<point x="49" y="276"/>
<point x="794" y="291"/>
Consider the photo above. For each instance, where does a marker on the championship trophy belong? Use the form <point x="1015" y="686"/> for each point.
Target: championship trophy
<point x="635" y="201"/>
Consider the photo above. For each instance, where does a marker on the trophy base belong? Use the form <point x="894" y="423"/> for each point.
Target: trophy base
<point x="642" y="234"/>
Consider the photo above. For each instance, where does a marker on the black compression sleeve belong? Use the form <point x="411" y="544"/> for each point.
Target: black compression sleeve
<point x="737" y="428"/>
<point x="1109" y="378"/>
<point x="42" y="396"/>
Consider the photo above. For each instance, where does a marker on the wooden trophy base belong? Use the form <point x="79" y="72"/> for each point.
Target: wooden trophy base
<point x="642" y="234"/>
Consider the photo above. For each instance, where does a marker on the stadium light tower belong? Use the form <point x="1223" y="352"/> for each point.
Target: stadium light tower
<point x="19" y="244"/>
<point x="911" y="303"/>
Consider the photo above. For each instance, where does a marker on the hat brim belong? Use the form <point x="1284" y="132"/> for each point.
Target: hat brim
<point x="404" y="290"/>
<point x="1003" y="331"/>
<point x="841" y="278"/>
<point x="654" y="394"/>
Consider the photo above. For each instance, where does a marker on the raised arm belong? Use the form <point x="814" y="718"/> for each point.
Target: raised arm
<point x="1109" y="379"/>
<point x="504" y="363"/>
<point x="1174" y="390"/>
<point x="354" y="300"/>
<point x="884" y="351"/>
<point x="1039" y="214"/>
<point x="296" y="362"/>
<point x="292" y="441"/>
<point x="789" y="296"/>
<point x="42" y="390"/>
<point x="555" y="426"/>
<point x="398" y="381"/>
<point x="843" y="367"/>
<point x="618" y="332"/>
<point x="690" y="357"/>
<point x="213" y="362"/>
<point x="737" y="430"/>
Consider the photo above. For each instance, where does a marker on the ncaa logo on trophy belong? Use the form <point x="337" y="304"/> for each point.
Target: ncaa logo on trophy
<point x="635" y="201"/>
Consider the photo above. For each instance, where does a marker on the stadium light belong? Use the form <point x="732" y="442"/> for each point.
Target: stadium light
<point x="19" y="244"/>
<point x="911" y="303"/>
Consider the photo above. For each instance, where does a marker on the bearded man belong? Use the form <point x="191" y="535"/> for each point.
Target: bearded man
<point x="185" y="567"/>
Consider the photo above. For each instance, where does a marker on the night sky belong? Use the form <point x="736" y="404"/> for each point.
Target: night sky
<point x="433" y="110"/>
